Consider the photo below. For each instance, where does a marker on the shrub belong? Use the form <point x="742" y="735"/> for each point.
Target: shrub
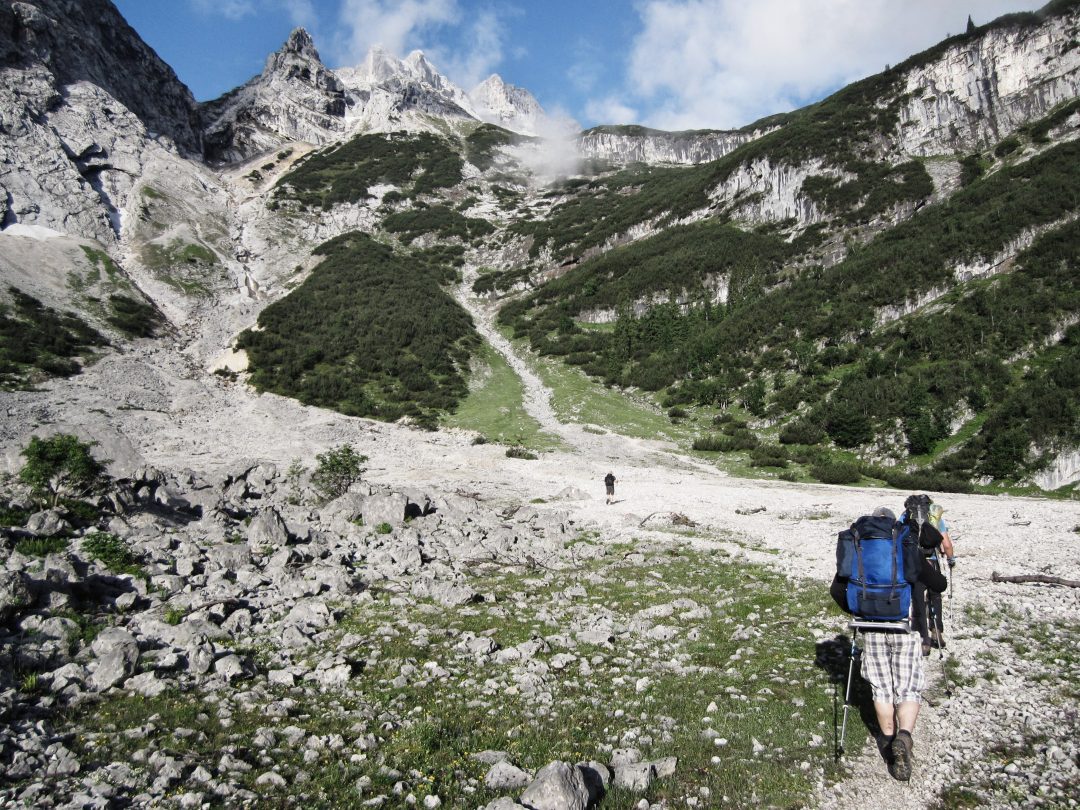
<point x="802" y="433"/>
<point x="61" y="466"/>
<point x="41" y="546"/>
<point x="677" y="412"/>
<point x="112" y="551"/>
<point x="517" y="451"/>
<point x="337" y="470"/>
<point x="384" y="528"/>
<point x="836" y="472"/>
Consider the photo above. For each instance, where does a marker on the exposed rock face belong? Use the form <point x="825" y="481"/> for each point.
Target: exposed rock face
<point x="296" y="97"/>
<point x="622" y="145"/>
<point x="510" y="107"/>
<point x="385" y="93"/>
<point x="85" y="41"/>
<point x="980" y="91"/>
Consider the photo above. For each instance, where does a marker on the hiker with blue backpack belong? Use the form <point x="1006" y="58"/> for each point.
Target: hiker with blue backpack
<point x="878" y="561"/>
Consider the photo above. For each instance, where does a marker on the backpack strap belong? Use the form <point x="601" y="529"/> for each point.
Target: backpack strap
<point x="896" y="551"/>
<point x="858" y="559"/>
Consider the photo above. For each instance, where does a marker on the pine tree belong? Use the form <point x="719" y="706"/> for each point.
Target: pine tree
<point x="970" y="25"/>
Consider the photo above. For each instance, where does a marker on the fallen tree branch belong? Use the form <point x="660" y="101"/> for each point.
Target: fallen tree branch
<point x="676" y="518"/>
<point x="1020" y="579"/>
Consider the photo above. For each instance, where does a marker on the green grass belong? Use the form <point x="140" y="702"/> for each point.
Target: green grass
<point x="494" y="406"/>
<point x="766" y="687"/>
<point x="577" y="398"/>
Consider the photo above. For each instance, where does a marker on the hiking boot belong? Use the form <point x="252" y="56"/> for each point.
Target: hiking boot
<point x="938" y="641"/>
<point x="900" y="764"/>
<point x="925" y="648"/>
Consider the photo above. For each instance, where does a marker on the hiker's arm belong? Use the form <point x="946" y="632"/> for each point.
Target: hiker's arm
<point x="946" y="545"/>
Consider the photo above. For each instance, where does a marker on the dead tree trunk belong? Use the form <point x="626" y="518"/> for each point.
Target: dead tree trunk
<point x="1020" y="579"/>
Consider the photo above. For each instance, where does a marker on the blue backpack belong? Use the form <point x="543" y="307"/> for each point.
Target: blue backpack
<point x="870" y="555"/>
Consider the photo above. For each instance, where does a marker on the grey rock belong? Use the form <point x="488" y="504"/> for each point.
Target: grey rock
<point x="557" y="786"/>
<point x="117" y="655"/>
<point x="447" y="594"/>
<point x="267" y="530"/>
<point x="15" y="593"/>
<point x="147" y="684"/>
<point x="48" y="523"/>
<point x="271" y="780"/>
<point x="231" y="667"/>
<point x="229" y="556"/>
<point x="489" y="757"/>
<point x="387" y="508"/>
<point x="634" y="776"/>
<point x="505" y="776"/>
<point x="502" y="803"/>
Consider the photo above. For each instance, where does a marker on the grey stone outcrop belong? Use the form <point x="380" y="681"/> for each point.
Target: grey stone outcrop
<point x="557" y="786"/>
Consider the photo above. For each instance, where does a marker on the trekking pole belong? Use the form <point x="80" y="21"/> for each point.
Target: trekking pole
<point x="847" y="691"/>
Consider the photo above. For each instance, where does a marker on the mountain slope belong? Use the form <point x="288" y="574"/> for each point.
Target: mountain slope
<point x="793" y="288"/>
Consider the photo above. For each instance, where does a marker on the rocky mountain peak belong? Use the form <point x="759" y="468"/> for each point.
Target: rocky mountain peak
<point x="300" y="42"/>
<point x="506" y="105"/>
<point x="296" y="97"/>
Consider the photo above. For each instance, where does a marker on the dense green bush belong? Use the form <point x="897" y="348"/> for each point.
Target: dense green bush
<point x="336" y="470"/>
<point x="343" y="173"/>
<point x="36" y="337"/>
<point x="370" y="332"/>
<point x="61" y="466"/>
<point x="837" y="472"/>
<point x="134" y="318"/>
<point x="438" y="220"/>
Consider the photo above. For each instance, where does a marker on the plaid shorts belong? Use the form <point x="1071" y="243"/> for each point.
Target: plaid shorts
<point x="892" y="665"/>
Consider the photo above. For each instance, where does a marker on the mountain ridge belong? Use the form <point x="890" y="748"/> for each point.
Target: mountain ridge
<point x="793" y="196"/>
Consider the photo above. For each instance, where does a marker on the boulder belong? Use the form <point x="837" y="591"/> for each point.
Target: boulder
<point x="387" y="508"/>
<point x="117" y="656"/>
<point x="267" y="530"/>
<point x="558" y="786"/>
<point x="15" y="593"/>
<point x="504" y="776"/>
<point x="48" y="523"/>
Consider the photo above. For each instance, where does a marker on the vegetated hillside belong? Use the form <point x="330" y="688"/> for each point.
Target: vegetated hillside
<point x="370" y="332"/>
<point x="892" y="346"/>
<point x="821" y="277"/>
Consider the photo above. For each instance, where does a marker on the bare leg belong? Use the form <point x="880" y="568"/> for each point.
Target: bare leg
<point x="906" y="713"/>
<point x="885" y="717"/>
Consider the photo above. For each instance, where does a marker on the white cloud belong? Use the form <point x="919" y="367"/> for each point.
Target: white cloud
<point x="610" y="110"/>
<point x="478" y="53"/>
<point x="399" y="26"/>
<point x="725" y="63"/>
<point x="301" y="12"/>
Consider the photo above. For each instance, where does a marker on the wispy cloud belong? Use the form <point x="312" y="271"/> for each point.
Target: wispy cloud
<point x="724" y="63"/>
<point x="478" y="52"/>
<point x="301" y="12"/>
<point x="398" y="27"/>
<point x="465" y="47"/>
<point x="230" y="9"/>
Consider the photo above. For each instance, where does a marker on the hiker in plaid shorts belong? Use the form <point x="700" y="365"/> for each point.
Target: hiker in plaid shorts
<point x="892" y="664"/>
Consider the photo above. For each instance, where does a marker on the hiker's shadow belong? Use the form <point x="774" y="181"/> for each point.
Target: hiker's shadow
<point x="834" y="656"/>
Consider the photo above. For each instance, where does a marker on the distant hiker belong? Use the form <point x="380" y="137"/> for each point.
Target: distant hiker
<point x="878" y="561"/>
<point x="924" y="519"/>
<point x="609" y="487"/>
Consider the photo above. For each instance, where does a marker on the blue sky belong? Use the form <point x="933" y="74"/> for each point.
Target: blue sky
<point x="671" y="64"/>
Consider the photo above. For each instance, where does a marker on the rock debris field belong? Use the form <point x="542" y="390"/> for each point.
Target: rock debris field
<point x="465" y="629"/>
